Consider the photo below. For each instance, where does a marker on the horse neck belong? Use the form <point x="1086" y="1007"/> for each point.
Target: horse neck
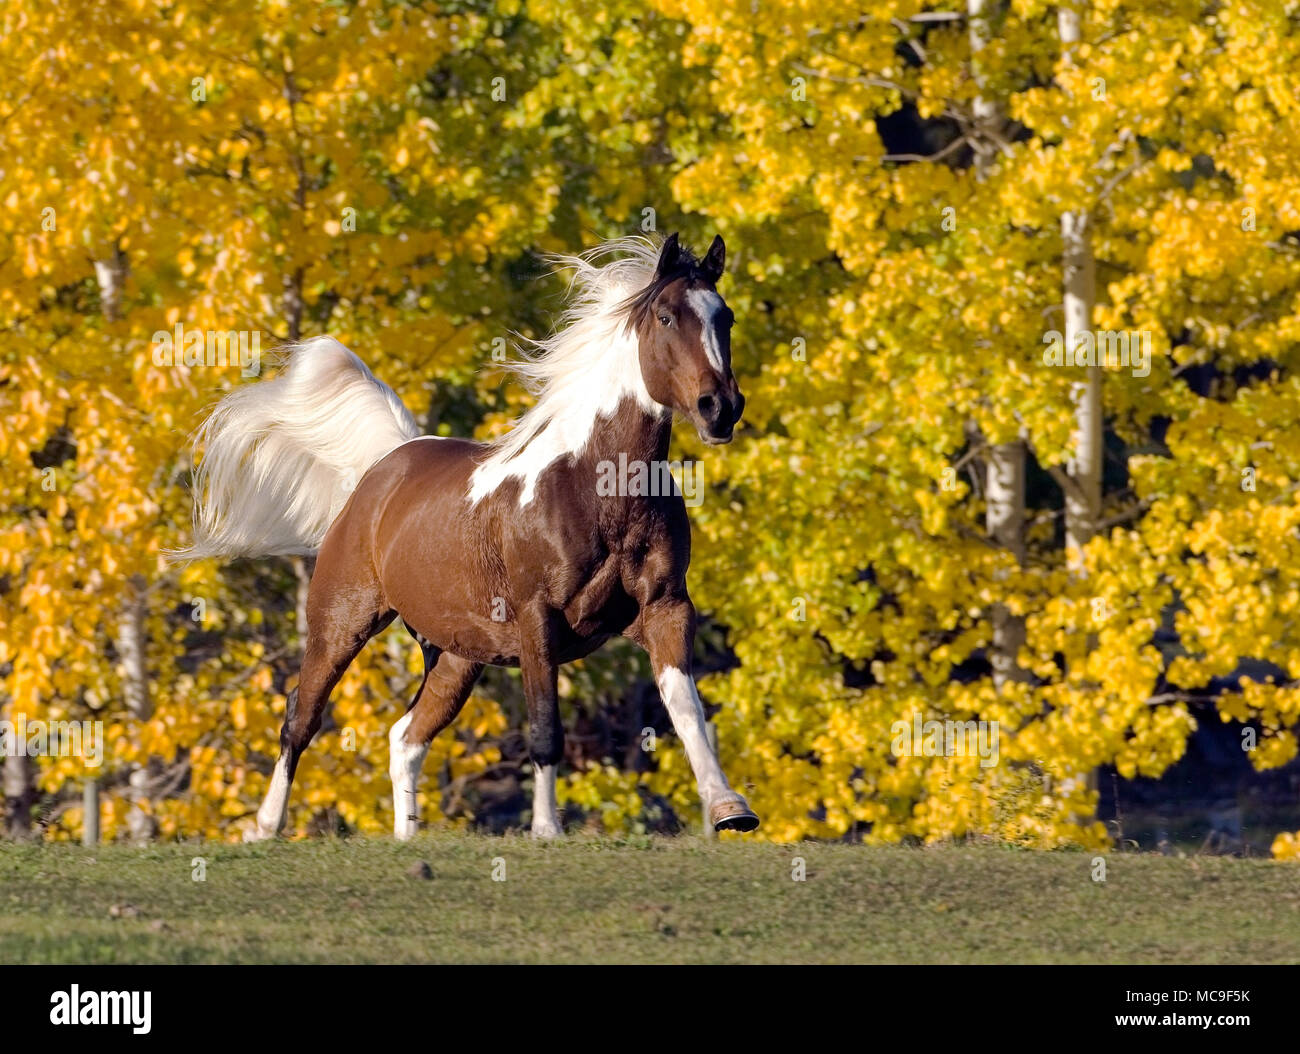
<point x="632" y="431"/>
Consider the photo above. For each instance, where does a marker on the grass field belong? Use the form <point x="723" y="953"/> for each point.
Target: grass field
<point x="643" y="900"/>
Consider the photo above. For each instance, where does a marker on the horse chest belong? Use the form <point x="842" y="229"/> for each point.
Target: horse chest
<point x="602" y="604"/>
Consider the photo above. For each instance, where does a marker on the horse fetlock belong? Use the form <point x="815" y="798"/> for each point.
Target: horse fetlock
<point x="405" y="825"/>
<point x="546" y="828"/>
<point x="261" y="831"/>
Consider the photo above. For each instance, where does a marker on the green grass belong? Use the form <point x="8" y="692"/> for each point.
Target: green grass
<point x="643" y="900"/>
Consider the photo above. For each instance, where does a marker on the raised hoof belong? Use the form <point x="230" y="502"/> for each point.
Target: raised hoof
<point x="732" y="814"/>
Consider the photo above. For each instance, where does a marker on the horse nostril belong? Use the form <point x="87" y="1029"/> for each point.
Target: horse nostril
<point x="708" y="406"/>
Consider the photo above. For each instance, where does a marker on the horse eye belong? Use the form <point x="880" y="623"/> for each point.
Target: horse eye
<point x="665" y="320"/>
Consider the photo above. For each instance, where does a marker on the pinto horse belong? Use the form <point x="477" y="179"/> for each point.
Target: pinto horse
<point x="505" y="553"/>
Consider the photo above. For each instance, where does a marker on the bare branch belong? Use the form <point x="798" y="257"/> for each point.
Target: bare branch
<point x="868" y="81"/>
<point x="1125" y="516"/>
<point x="960" y="141"/>
<point x="1066" y="482"/>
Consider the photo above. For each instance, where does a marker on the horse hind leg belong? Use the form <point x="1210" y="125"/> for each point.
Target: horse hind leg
<point x="448" y="680"/>
<point x="337" y="630"/>
<point x="405" y="761"/>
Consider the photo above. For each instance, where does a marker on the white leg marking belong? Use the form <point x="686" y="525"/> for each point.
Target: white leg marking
<point x="270" y="817"/>
<point x="686" y="710"/>
<point x="546" y="811"/>
<point x="405" y="761"/>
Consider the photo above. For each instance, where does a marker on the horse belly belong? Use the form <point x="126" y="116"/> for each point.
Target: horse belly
<point x="432" y="562"/>
<point x="437" y="602"/>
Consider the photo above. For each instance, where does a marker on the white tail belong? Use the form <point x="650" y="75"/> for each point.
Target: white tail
<point x="281" y="456"/>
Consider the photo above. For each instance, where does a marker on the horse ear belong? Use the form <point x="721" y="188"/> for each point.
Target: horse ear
<point x="714" y="260"/>
<point x="669" y="256"/>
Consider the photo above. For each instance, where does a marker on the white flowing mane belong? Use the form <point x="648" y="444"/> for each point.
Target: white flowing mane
<point x="581" y="371"/>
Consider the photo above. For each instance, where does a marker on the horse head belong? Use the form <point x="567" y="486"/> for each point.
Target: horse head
<point x="683" y="329"/>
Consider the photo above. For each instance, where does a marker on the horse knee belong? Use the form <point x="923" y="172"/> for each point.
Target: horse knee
<point x="546" y="741"/>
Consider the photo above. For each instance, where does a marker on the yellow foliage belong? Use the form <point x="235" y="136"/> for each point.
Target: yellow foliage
<point x="387" y="171"/>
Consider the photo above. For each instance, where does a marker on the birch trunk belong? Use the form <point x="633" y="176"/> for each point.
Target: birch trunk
<point x="1083" y="494"/>
<point x="1005" y="466"/>
<point x="133" y="667"/>
<point x="1005" y="518"/>
<point x="17" y="782"/>
<point x="303" y="566"/>
<point x="110" y="274"/>
<point x="1083" y="499"/>
<point x="19" y="794"/>
<point x="986" y="112"/>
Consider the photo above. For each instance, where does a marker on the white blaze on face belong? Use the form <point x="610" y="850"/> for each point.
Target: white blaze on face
<point x="707" y="306"/>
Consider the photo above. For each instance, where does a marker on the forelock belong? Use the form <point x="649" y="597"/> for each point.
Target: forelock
<point x="638" y="305"/>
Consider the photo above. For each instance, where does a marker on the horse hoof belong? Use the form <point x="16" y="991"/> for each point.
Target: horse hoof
<point x="546" y="832"/>
<point x="256" y="834"/>
<point x="732" y="814"/>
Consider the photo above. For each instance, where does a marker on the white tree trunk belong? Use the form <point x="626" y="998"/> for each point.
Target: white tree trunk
<point x="986" y="112"/>
<point x="1005" y="519"/>
<point x="131" y="650"/>
<point x="1083" y="499"/>
<point x="110" y="274"/>
<point x="18" y="793"/>
<point x="1005" y="466"/>
<point x="303" y="566"/>
<point x="1083" y="493"/>
<point x="133" y="668"/>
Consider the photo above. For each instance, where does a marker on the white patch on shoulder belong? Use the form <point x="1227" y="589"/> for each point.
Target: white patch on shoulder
<point x="581" y="372"/>
<point x="564" y="419"/>
<point x="706" y="305"/>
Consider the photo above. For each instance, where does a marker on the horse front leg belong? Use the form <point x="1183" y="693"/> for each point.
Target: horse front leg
<point x="668" y="634"/>
<point x="545" y="731"/>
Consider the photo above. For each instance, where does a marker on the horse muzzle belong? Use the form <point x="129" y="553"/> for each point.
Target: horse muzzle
<point x="717" y="416"/>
